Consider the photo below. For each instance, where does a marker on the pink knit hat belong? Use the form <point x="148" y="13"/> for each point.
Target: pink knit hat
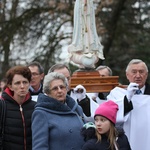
<point x="107" y="109"/>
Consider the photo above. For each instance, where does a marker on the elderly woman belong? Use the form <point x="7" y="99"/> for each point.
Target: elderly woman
<point x="57" y="118"/>
<point x="19" y="108"/>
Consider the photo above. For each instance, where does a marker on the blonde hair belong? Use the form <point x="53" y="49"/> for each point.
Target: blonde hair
<point x="112" y="135"/>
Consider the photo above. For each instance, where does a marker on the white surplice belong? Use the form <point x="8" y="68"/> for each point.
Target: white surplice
<point x="137" y="122"/>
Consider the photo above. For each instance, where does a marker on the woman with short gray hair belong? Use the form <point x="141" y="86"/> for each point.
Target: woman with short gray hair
<point x="57" y="118"/>
<point x="50" y="77"/>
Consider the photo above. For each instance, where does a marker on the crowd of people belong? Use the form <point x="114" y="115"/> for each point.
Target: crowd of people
<point x="42" y="112"/>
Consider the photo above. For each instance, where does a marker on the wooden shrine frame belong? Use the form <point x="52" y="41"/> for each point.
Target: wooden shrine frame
<point x="93" y="82"/>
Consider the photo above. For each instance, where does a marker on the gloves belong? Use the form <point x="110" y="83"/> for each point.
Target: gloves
<point x="80" y="92"/>
<point x="131" y="89"/>
<point x="94" y="96"/>
<point x="89" y="125"/>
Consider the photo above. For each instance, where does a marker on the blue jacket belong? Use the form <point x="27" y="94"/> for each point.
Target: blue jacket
<point x="56" y="126"/>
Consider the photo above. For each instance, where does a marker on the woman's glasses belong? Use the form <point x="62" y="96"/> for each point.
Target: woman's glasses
<point x="56" y="88"/>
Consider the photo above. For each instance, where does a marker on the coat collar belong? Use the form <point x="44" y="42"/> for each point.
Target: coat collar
<point x="8" y="94"/>
<point x="45" y="101"/>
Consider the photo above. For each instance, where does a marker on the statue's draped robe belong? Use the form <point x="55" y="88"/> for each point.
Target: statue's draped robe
<point x="85" y="45"/>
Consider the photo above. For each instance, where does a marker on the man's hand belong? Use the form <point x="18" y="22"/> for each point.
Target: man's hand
<point x="80" y="92"/>
<point x="131" y="89"/>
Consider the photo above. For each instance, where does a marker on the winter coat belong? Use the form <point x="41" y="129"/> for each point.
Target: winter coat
<point x="56" y="126"/>
<point x="17" y="132"/>
<point x="122" y="142"/>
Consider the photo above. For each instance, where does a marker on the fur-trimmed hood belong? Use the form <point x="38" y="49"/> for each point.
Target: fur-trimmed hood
<point x="54" y="105"/>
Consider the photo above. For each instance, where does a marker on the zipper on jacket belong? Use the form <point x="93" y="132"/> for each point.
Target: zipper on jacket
<point x="23" y="120"/>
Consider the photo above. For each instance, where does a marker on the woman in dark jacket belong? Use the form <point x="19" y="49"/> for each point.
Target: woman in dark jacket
<point x="19" y="108"/>
<point x="103" y="135"/>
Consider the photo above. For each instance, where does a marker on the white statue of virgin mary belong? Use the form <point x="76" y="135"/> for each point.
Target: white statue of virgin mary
<point x="85" y="49"/>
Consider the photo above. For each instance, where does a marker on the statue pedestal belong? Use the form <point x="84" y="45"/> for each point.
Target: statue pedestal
<point x="93" y="82"/>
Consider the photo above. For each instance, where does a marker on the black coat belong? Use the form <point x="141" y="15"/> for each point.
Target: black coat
<point x="85" y="104"/>
<point x="92" y="144"/>
<point x="17" y="132"/>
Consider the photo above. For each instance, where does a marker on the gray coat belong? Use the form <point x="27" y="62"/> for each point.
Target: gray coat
<point x="56" y="126"/>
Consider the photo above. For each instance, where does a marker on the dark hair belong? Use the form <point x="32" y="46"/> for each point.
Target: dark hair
<point x="58" y="66"/>
<point x="21" y="70"/>
<point x="40" y="67"/>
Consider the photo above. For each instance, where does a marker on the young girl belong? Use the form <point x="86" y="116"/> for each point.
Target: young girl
<point x="103" y="135"/>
